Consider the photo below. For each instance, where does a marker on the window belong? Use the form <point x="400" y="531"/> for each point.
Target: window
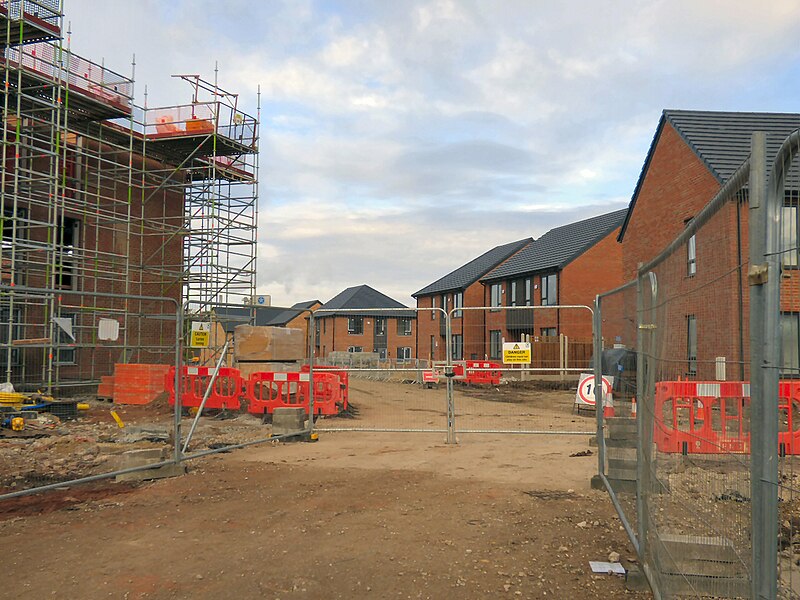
<point x="404" y="326"/>
<point x="355" y="326"/>
<point x="458" y="302"/>
<point x="68" y="234"/>
<point x="548" y="332"/>
<point x="380" y="326"/>
<point x="790" y="344"/>
<point x="354" y="349"/>
<point x="528" y="297"/>
<point x="403" y="353"/>
<point x="512" y="296"/>
<point x="789" y="247"/>
<point x="691" y="256"/>
<point x="316" y="333"/>
<point x="381" y="352"/>
<point x="433" y="306"/>
<point x="65" y="339"/>
<point x="433" y="347"/>
<point x="444" y="302"/>
<point x="324" y="325"/>
<point x="550" y="289"/>
<point x="495" y="344"/>
<point x="691" y="343"/>
<point x="458" y="347"/>
<point x="496" y="292"/>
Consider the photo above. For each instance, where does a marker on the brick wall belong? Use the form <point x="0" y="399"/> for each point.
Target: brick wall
<point x="334" y="337"/>
<point x="675" y="188"/>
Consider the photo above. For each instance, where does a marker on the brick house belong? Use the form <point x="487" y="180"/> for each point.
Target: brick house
<point x="102" y="201"/>
<point x="693" y="153"/>
<point x="461" y="287"/>
<point x="568" y="265"/>
<point x="361" y="328"/>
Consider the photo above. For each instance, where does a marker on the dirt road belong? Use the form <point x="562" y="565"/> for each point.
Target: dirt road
<point x="355" y="515"/>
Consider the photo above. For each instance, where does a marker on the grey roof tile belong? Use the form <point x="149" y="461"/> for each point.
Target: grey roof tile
<point x="471" y="272"/>
<point x="558" y="247"/>
<point x="290" y="313"/>
<point x="721" y="140"/>
<point x="362" y="298"/>
<point x="229" y="316"/>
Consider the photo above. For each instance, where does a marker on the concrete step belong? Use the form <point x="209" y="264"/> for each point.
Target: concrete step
<point x="620" y="453"/>
<point x="621" y="463"/>
<point x="622" y="474"/>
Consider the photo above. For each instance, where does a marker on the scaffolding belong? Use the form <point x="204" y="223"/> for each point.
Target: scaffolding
<point x="101" y="200"/>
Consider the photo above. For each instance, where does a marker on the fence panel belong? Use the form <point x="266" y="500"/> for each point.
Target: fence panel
<point x="388" y="388"/>
<point x="616" y="331"/>
<point x="538" y="396"/>
<point x="56" y="424"/>
<point x="781" y="491"/>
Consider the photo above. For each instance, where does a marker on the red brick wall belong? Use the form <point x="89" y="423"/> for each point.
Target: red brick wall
<point x="98" y="200"/>
<point x="595" y="271"/>
<point x="675" y="188"/>
<point x="333" y="336"/>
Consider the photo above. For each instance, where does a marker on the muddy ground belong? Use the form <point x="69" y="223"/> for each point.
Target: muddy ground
<point x="354" y="515"/>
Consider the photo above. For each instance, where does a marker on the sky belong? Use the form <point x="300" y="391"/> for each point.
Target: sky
<point x="400" y="140"/>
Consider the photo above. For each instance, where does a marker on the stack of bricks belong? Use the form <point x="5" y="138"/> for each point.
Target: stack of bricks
<point x="105" y="390"/>
<point x="136" y="384"/>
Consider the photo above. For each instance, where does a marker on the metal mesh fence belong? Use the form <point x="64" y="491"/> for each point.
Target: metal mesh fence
<point x="539" y="396"/>
<point x="387" y="388"/>
<point x="707" y="483"/>
<point x="617" y="432"/>
<point x="56" y="426"/>
<point x="784" y="187"/>
<point x="695" y="400"/>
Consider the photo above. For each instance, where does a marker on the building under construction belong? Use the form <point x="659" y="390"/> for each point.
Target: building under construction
<point x="118" y="221"/>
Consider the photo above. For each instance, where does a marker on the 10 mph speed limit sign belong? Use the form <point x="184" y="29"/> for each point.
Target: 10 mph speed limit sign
<point x="585" y="394"/>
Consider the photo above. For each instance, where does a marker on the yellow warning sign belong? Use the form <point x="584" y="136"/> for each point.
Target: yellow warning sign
<point x="515" y="353"/>
<point x="201" y="335"/>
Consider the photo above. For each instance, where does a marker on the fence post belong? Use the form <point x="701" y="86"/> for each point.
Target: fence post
<point x="448" y="372"/>
<point x="312" y="345"/>
<point x="642" y="471"/>
<point x="598" y="389"/>
<point x="763" y="236"/>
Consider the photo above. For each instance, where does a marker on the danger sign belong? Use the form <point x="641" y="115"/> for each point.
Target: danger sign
<point x="515" y="353"/>
<point x="585" y="393"/>
<point x="201" y="334"/>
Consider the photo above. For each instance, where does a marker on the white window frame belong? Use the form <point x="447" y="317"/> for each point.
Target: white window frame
<point x="458" y="303"/>
<point x="405" y="330"/>
<point x="496" y="296"/>
<point x="549" y="285"/>
<point x="691" y="343"/>
<point x="495" y="343"/>
<point x="351" y="325"/>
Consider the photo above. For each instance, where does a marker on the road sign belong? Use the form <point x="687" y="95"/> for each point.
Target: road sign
<point x="516" y="353"/>
<point x="201" y="334"/>
<point x="585" y="393"/>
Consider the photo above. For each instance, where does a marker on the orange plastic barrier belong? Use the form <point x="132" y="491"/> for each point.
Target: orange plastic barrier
<point x="194" y="381"/>
<point x="267" y="391"/>
<point x="466" y="371"/>
<point x="708" y="417"/>
<point x="344" y="378"/>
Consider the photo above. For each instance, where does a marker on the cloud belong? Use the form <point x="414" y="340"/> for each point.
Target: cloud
<point x="401" y="139"/>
